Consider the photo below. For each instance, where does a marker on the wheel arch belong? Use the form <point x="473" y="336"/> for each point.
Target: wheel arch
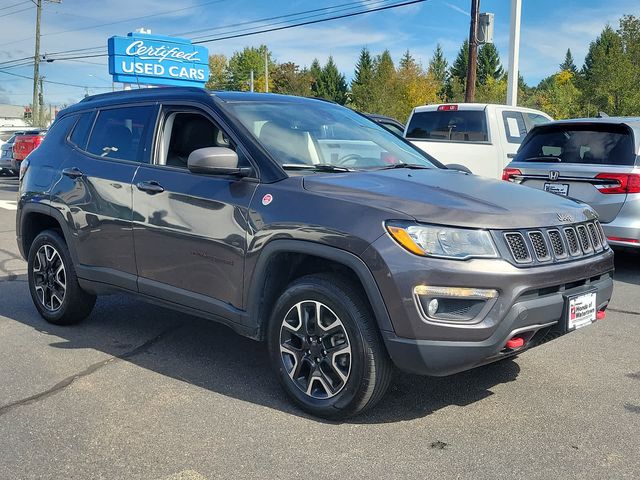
<point x="282" y="261"/>
<point x="36" y="218"/>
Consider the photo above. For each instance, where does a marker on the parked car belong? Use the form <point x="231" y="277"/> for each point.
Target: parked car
<point x="389" y="123"/>
<point x="6" y="155"/>
<point x="480" y="136"/>
<point x="303" y="224"/>
<point x="591" y="160"/>
<point x="25" y="143"/>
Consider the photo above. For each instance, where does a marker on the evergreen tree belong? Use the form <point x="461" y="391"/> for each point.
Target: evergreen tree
<point x="489" y="64"/>
<point x="362" y="83"/>
<point x="316" y="77"/>
<point x="568" y="63"/>
<point x="384" y="74"/>
<point x="459" y="67"/>
<point x="333" y="84"/>
<point x="438" y="65"/>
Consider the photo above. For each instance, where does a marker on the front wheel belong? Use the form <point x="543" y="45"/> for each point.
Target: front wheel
<point x="53" y="283"/>
<point x="326" y="349"/>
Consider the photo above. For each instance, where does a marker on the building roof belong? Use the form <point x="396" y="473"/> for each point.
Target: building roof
<point x="11" y="111"/>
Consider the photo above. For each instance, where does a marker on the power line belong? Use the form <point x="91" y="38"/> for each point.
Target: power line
<point x="310" y="22"/>
<point x="15" y="11"/>
<point x="7" y="7"/>
<point x="26" y="77"/>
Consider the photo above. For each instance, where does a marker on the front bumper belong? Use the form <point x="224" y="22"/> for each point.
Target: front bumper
<point x="531" y="300"/>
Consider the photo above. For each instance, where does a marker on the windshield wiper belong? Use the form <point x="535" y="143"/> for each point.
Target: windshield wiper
<point x="548" y="158"/>
<point x="415" y="166"/>
<point x="319" y="167"/>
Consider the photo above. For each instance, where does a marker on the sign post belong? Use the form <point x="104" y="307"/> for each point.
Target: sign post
<point x="144" y="59"/>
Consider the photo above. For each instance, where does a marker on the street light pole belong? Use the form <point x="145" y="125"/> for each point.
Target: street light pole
<point x="514" y="53"/>
<point x="470" y="90"/>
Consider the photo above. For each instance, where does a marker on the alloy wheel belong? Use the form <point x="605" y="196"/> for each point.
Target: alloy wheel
<point x="315" y="349"/>
<point x="49" y="278"/>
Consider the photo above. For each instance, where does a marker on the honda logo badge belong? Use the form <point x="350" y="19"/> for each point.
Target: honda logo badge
<point x="553" y="175"/>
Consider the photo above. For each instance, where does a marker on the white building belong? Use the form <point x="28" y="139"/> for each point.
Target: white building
<point x="12" y="116"/>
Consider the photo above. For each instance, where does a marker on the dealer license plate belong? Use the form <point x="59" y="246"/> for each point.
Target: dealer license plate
<point x="557" y="188"/>
<point x="581" y="311"/>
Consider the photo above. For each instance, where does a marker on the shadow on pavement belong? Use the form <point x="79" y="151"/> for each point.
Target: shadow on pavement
<point x="213" y="357"/>
<point x="627" y="266"/>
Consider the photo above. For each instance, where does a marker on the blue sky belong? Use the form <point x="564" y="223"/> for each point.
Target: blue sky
<point x="549" y="27"/>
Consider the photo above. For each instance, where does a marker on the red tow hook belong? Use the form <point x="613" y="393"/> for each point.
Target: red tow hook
<point x="515" y="342"/>
<point x="601" y="315"/>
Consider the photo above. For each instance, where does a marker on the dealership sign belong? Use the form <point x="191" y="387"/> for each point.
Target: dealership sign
<point x="145" y="59"/>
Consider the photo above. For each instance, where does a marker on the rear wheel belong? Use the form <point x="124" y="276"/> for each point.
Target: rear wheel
<point x="53" y="283"/>
<point x="326" y="349"/>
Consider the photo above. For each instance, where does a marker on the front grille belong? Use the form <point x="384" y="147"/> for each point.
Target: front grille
<point x="595" y="238"/>
<point x="557" y="245"/>
<point x="539" y="246"/>
<point x="572" y="241"/>
<point x="518" y="247"/>
<point x="584" y="238"/>
<point x="532" y="247"/>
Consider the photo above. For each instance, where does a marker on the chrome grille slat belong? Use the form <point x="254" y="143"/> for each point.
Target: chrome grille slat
<point x="557" y="245"/>
<point x="572" y="241"/>
<point x="595" y="238"/>
<point x="539" y="246"/>
<point x="583" y="236"/>
<point x="518" y="247"/>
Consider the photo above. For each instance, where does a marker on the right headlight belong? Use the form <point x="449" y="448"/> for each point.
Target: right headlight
<point x="441" y="241"/>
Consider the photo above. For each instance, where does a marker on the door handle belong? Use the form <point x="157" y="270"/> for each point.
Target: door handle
<point x="151" y="187"/>
<point x="73" y="172"/>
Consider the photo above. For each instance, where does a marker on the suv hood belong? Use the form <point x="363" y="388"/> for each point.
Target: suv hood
<point x="448" y="197"/>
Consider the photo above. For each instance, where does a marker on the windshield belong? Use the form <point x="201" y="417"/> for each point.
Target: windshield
<point x="586" y="144"/>
<point x="315" y="133"/>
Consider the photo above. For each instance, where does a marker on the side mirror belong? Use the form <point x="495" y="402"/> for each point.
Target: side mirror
<point x="216" y="161"/>
<point x="460" y="168"/>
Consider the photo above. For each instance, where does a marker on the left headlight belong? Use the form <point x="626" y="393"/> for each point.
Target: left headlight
<point x="440" y="241"/>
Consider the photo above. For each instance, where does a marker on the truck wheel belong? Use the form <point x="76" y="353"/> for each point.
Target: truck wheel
<point x="326" y="349"/>
<point x="53" y="283"/>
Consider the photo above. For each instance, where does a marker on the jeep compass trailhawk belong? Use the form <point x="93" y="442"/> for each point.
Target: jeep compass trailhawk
<point x="306" y="225"/>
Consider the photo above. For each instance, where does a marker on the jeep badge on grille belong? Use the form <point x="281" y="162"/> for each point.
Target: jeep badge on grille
<point x="565" y="217"/>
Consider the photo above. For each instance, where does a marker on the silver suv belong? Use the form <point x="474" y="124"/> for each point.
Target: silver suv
<point x="592" y="160"/>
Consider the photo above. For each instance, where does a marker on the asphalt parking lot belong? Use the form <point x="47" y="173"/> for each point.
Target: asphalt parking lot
<point x="138" y="392"/>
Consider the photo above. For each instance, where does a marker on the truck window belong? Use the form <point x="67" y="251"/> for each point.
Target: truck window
<point x="450" y="126"/>
<point x="514" y="126"/>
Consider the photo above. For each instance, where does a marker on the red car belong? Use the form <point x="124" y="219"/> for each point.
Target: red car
<point x="24" y="144"/>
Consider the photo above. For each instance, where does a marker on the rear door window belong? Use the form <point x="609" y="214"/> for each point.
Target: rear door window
<point x="80" y="133"/>
<point x="514" y="126"/>
<point x="123" y="133"/>
<point x="585" y="144"/>
<point x="449" y="125"/>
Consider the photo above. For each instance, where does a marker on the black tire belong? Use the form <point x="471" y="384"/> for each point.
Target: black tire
<point x="46" y="285"/>
<point x="370" y="369"/>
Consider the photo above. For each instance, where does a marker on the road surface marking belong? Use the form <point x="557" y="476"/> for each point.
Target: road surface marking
<point x="8" y="204"/>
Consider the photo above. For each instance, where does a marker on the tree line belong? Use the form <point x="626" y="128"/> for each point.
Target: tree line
<point x="608" y="81"/>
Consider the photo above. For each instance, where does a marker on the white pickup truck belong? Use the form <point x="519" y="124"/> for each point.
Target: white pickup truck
<point x="480" y="136"/>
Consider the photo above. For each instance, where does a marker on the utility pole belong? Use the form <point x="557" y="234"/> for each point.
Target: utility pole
<point x="36" y="60"/>
<point x="514" y="53"/>
<point x="41" y="102"/>
<point x="266" y="70"/>
<point x="36" y="64"/>
<point x="251" y="81"/>
<point x="470" y="90"/>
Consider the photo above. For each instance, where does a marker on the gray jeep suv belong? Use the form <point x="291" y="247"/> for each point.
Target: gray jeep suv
<point x="306" y="225"/>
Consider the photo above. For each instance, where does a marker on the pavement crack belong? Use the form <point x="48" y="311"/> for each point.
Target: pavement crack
<point x="58" y="387"/>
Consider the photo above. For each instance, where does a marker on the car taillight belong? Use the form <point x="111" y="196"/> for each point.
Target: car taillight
<point x="447" y="108"/>
<point x="619" y="183"/>
<point x="509" y="174"/>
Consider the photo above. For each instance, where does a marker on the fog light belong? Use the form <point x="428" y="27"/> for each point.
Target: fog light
<point x="432" y="309"/>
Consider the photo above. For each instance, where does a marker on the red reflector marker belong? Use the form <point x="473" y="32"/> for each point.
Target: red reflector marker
<point x="515" y="342"/>
<point x="621" y="239"/>
<point x="601" y="315"/>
